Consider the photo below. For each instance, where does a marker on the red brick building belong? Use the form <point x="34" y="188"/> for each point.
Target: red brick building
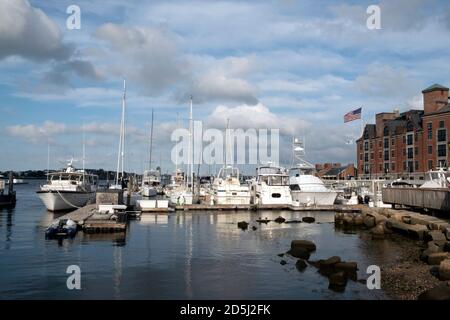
<point x="406" y="145"/>
<point x="335" y="171"/>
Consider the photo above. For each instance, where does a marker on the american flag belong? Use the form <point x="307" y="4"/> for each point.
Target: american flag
<point x="353" y="115"/>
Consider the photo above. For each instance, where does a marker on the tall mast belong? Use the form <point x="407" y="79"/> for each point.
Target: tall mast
<point x="176" y="155"/>
<point x="48" y="158"/>
<point x="84" y="152"/>
<point x="120" y="152"/>
<point x="151" y="143"/>
<point x="123" y="124"/>
<point x="191" y="143"/>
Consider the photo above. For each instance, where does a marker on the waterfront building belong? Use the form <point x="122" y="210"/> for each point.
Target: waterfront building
<point x="336" y="171"/>
<point x="407" y="145"/>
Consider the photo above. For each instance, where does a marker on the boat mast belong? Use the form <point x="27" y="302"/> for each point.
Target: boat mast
<point x="120" y="153"/>
<point x="48" y="158"/>
<point x="123" y="124"/>
<point x="176" y="146"/>
<point x="151" y="144"/>
<point x="191" y="143"/>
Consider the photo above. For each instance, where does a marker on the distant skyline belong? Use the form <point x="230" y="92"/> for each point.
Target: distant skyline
<point x="297" y="66"/>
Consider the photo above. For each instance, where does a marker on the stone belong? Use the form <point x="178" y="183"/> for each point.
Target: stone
<point x="444" y="270"/>
<point x="330" y="262"/>
<point x="280" y="220"/>
<point x="301" y="265"/>
<point x="346" y="266"/>
<point x="254" y="228"/>
<point x="437" y="258"/>
<point x="358" y="220"/>
<point x="446" y="247"/>
<point x="299" y="252"/>
<point x="308" y="219"/>
<point x="242" y="225"/>
<point x="413" y="230"/>
<point x="337" y="281"/>
<point x="281" y="255"/>
<point x="436" y="235"/>
<point x="432" y="248"/>
<point x="441" y="292"/>
<point x="447" y="233"/>
<point x="283" y="262"/>
<point x="369" y="221"/>
<point x="308" y="245"/>
<point x="348" y="220"/>
<point x="377" y="232"/>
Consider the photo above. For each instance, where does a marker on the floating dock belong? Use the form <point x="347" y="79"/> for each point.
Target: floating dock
<point x="434" y="199"/>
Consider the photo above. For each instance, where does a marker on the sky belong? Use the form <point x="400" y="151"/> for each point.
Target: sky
<point x="297" y="66"/>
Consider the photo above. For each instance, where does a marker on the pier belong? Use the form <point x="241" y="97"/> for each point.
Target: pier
<point x="434" y="199"/>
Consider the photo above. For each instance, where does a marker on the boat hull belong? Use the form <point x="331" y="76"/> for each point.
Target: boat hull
<point x="326" y="198"/>
<point x="273" y="195"/>
<point x="65" y="200"/>
<point x="148" y="191"/>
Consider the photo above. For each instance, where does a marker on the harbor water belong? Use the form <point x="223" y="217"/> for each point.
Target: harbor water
<point x="183" y="255"/>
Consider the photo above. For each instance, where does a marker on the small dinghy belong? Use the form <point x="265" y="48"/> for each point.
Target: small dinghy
<point x="62" y="228"/>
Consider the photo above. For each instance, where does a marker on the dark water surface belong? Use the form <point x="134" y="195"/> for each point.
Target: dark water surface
<point x="195" y="255"/>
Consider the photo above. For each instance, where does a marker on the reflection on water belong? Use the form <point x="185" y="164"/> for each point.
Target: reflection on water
<point x="187" y="255"/>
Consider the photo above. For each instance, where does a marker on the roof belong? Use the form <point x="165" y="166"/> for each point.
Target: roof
<point x="435" y="87"/>
<point x="334" y="171"/>
<point x="444" y="109"/>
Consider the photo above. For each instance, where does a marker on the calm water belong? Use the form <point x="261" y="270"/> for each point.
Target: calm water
<point x="181" y="256"/>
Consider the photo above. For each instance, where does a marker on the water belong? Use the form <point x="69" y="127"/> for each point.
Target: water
<point x="196" y="255"/>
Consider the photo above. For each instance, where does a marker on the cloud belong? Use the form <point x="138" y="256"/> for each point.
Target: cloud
<point x="28" y="32"/>
<point x="37" y="134"/>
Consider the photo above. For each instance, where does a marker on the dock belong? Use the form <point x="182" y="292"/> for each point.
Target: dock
<point x="80" y="215"/>
<point x="433" y="199"/>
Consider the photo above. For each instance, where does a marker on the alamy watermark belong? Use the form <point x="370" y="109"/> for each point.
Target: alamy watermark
<point x="73" y="21"/>
<point x="373" y="22"/>
<point x="234" y="146"/>
<point x="74" y="280"/>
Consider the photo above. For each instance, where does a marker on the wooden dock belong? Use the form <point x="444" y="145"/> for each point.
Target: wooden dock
<point x="253" y="207"/>
<point x="80" y="215"/>
<point x="435" y="199"/>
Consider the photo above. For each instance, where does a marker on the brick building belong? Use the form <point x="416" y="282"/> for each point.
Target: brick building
<point x="406" y="145"/>
<point x="335" y="171"/>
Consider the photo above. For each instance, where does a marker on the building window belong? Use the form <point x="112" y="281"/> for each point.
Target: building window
<point x="404" y="152"/>
<point x="410" y="166"/>
<point x="380" y="155"/>
<point x="371" y="145"/>
<point x="442" y="135"/>
<point x="393" y="166"/>
<point x="381" y="167"/>
<point x="404" y="165"/>
<point x="416" y="151"/>
<point x="386" y="155"/>
<point x="379" y="143"/>
<point x="409" y="139"/>
<point x="430" y="130"/>
<point x="430" y="149"/>
<point x="366" y="169"/>
<point x="360" y="156"/>
<point x="442" y="124"/>
<point x="371" y="156"/>
<point x="386" y="143"/>
<point x="442" y="150"/>
<point x="430" y="164"/>
<point x="366" y="157"/>
<point x="410" y="153"/>
<point x="417" y="166"/>
<point x="386" y="131"/>
<point x="393" y="141"/>
<point x="392" y="154"/>
<point x="442" y="164"/>
<point x="404" y="139"/>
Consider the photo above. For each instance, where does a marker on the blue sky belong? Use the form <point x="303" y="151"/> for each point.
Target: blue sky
<point x="294" y="65"/>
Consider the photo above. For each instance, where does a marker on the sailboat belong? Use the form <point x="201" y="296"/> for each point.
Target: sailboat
<point x="306" y="188"/>
<point x="120" y="182"/>
<point x="184" y="194"/>
<point x="227" y="188"/>
<point x="151" y="179"/>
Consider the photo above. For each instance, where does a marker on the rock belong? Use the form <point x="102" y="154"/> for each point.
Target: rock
<point x="446" y="247"/>
<point x="299" y="252"/>
<point x="358" y="220"/>
<point x="280" y="220"/>
<point x="413" y="230"/>
<point x="308" y="219"/>
<point x="369" y="221"/>
<point x="294" y="221"/>
<point x="447" y="233"/>
<point x="283" y="262"/>
<point x="330" y="262"/>
<point x="281" y="255"/>
<point x="242" y="225"/>
<point x="432" y="248"/>
<point x="301" y="265"/>
<point x="346" y="266"/>
<point x="308" y="245"/>
<point x="444" y="270"/>
<point x="437" y="258"/>
<point x="348" y="220"/>
<point x="337" y="281"/>
<point x="254" y="228"/>
<point x="436" y="235"/>
<point x="377" y="232"/>
<point x="260" y="220"/>
<point x="441" y="292"/>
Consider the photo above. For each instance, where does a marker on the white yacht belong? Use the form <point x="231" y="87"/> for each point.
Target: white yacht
<point x="271" y="186"/>
<point x="151" y="181"/>
<point x="227" y="188"/>
<point x="306" y="188"/>
<point x="68" y="189"/>
<point x="437" y="179"/>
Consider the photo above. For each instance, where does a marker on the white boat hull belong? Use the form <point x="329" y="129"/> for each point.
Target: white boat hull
<point x="273" y="195"/>
<point x="147" y="191"/>
<point x="303" y="198"/>
<point x="64" y="200"/>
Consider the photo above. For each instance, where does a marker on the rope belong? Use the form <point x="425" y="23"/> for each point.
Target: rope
<point x="67" y="202"/>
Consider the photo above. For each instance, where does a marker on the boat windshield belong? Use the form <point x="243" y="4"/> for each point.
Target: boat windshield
<point x="270" y="171"/>
<point x="302" y="171"/>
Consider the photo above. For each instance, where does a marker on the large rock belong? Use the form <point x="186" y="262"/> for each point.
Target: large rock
<point x="337" y="281"/>
<point x="358" y="220"/>
<point x="369" y="221"/>
<point x="444" y="270"/>
<point x="377" y="232"/>
<point x="330" y="262"/>
<point x="446" y="247"/>
<point x="436" y="235"/>
<point x="346" y="266"/>
<point x="437" y="258"/>
<point x="432" y="248"/>
<point x="308" y="245"/>
<point x="413" y="230"/>
<point x="280" y="220"/>
<point x="441" y="292"/>
<point x="447" y="233"/>
<point x="242" y="225"/>
<point x="299" y="252"/>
